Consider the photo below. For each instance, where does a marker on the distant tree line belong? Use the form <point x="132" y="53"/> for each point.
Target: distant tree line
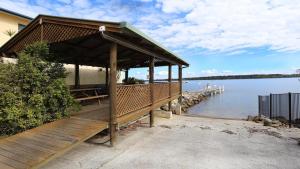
<point x="252" y="76"/>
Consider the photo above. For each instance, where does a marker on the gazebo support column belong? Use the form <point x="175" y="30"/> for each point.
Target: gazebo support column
<point x="180" y="78"/>
<point x="106" y="78"/>
<point x="113" y="91"/>
<point x="126" y="75"/>
<point x="170" y="80"/>
<point x="151" y="81"/>
<point x="178" y="109"/>
<point x="77" y="76"/>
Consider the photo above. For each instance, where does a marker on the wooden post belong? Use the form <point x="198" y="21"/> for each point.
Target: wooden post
<point x="106" y="78"/>
<point x="77" y="76"/>
<point x="290" y="110"/>
<point x="151" y="80"/>
<point x="126" y="75"/>
<point x="113" y="91"/>
<point x="180" y="82"/>
<point x="170" y="80"/>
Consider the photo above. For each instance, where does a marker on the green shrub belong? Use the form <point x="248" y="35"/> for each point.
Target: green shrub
<point x="33" y="90"/>
<point x="132" y="80"/>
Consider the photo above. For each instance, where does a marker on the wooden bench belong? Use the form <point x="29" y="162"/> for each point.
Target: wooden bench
<point x="89" y="97"/>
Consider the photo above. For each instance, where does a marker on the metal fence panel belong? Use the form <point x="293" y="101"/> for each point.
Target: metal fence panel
<point x="264" y="105"/>
<point x="280" y="106"/>
<point x="295" y="100"/>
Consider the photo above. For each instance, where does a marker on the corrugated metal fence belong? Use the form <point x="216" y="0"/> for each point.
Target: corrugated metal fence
<point x="280" y="106"/>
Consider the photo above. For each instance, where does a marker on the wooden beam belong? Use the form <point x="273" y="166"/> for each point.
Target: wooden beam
<point x="42" y="29"/>
<point x="77" y="76"/>
<point x="151" y="80"/>
<point x="170" y="80"/>
<point x="134" y="47"/>
<point x="113" y="90"/>
<point x="126" y="75"/>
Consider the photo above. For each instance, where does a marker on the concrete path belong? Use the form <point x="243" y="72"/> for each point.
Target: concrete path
<point x="191" y="142"/>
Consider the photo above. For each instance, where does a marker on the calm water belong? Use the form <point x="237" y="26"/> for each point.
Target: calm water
<point x="240" y="97"/>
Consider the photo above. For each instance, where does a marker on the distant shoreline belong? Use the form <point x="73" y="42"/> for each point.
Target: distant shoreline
<point x="236" y="77"/>
<point x="252" y="76"/>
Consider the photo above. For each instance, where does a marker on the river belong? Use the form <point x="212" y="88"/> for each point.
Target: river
<point x="240" y="96"/>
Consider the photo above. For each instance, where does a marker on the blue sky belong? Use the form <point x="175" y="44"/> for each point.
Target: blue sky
<point x="217" y="37"/>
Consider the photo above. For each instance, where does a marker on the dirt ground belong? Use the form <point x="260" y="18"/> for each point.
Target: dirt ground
<point x="190" y="142"/>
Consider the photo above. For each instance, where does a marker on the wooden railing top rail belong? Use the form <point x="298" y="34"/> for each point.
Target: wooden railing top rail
<point x="132" y="85"/>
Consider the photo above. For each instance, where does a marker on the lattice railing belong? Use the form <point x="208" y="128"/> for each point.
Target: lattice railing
<point x="132" y="97"/>
<point x="175" y="88"/>
<point x="160" y="91"/>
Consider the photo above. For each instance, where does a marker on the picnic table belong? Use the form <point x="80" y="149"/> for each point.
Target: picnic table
<point x="85" y="94"/>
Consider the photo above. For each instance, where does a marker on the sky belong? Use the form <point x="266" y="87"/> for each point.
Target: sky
<point x="217" y="37"/>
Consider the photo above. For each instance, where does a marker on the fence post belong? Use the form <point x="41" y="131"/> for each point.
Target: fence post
<point x="290" y="109"/>
<point x="270" y="105"/>
<point x="259" y="106"/>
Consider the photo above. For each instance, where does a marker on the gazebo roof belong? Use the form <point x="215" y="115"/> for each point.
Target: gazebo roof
<point x="87" y="42"/>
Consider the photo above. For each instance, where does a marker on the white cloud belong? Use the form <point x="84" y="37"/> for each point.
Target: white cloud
<point x="163" y="73"/>
<point x="82" y="3"/>
<point x="176" y="6"/>
<point x="213" y="25"/>
<point x="65" y="1"/>
<point x="214" y="72"/>
<point x="226" y="25"/>
<point x="101" y="10"/>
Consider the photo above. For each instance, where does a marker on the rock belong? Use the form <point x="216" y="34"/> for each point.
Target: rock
<point x="190" y="103"/>
<point x="276" y="122"/>
<point x="228" y="132"/>
<point x="257" y="119"/>
<point x="163" y="114"/>
<point x="189" y="99"/>
<point x="205" y="127"/>
<point x="165" y="107"/>
<point x="173" y="106"/>
<point x="275" y="125"/>
<point x="165" y="126"/>
<point x="267" y="122"/>
<point x="250" y="118"/>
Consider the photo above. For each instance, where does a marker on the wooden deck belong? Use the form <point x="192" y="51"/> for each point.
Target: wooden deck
<point x="35" y="147"/>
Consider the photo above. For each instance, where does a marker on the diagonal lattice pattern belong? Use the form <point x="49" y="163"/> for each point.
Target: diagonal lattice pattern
<point x="160" y="91"/>
<point x="57" y="32"/>
<point x="33" y="36"/>
<point x="175" y="88"/>
<point x="132" y="97"/>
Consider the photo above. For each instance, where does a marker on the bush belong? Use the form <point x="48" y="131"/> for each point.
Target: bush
<point x="132" y="80"/>
<point x="32" y="91"/>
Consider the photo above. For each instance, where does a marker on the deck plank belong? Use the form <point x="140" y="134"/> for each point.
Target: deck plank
<point x="12" y="163"/>
<point x="37" y="146"/>
<point x="5" y="166"/>
<point x="13" y="156"/>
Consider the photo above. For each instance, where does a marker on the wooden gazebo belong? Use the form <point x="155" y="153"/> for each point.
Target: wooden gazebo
<point x="116" y="46"/>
